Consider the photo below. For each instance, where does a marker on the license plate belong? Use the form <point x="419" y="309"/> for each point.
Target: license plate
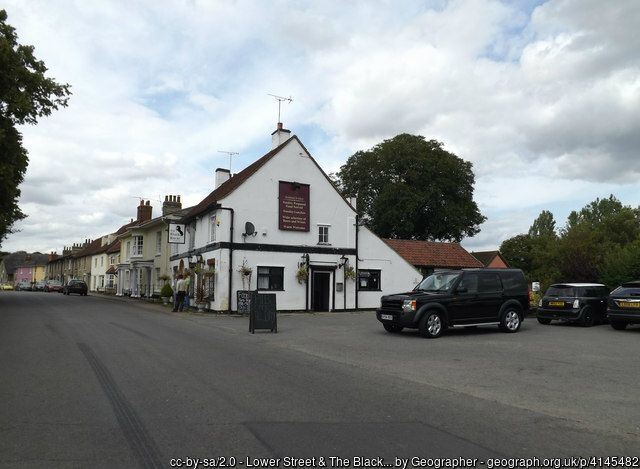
<point x="386" y="317"/>
<point x="556" y="303"/>
<point x="628" y="304"/>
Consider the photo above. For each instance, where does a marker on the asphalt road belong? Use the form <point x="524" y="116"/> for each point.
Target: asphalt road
<point x="99" y="382"/>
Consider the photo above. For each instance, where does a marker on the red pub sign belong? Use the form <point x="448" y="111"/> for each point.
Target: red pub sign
<point x="293" y="206"/>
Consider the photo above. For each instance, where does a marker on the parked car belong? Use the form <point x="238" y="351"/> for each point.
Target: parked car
<point x="75" y="286"/>
<point x="38" y="286"/>
<point x="23" y="286"/>
<point x="6" y="286"/>
<point x="458" y="298"/>
<point x="53" y="285"/>
<point x="624" y="305"/>
<point x="582" y="303"/>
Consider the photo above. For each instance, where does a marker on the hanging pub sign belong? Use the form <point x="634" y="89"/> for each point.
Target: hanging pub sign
<point x="293" y="206"/>
<point x="176" y="233"/>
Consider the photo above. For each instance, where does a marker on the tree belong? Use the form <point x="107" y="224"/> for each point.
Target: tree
<point x="25" y="95"/>
<point x="409" y="187"/>
<point x="543" y="226"/>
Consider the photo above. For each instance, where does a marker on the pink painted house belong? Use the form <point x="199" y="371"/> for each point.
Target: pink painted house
<point x="23" y="274"/>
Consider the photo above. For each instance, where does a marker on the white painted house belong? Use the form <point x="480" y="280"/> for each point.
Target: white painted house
<point x="281" y="217"/>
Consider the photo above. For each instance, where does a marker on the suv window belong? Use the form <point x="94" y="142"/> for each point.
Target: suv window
<point x="489" y="283"/>
<point x="512" y="280"/>
<point x="470" y="282"/>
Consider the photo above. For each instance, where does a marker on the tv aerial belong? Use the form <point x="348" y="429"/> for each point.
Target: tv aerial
<point x="231" y="154"/>
<point x="280" y="99"/>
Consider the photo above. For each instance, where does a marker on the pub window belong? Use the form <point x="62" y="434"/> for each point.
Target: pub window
<point x="323" y="234"/>
<point x="270" y="278"/>
<point x="369" y="280"/>
<point x="158" y="242"/>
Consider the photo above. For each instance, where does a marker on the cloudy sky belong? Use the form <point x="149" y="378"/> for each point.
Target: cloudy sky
<point x="542" y="97"/>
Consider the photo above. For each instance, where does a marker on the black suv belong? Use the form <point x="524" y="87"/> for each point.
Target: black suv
<point x="468" y="297"/>
<point x="624" y="305"/>
<point x="75" y="286"/>
<point x="583" y="303"/>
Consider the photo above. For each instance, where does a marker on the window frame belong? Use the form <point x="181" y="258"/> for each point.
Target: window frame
<point x="321" y="227"/>
<point x="137" y="248"/>
<point x="269" y="276"/>
<point x="159" y="242"/>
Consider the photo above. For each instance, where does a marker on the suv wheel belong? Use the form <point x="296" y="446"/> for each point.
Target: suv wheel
<point x="587" y="319"/>
<point x="510" y="321"/>
<point x="392" y="327"/>
<point x="618" y="325"/>
<point x="431" y="325"/>
<point x="544" y="321"/>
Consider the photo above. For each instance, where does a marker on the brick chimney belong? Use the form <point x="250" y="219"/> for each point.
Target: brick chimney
<point x="53" y="256"/>
<point x="144" y="211"/>
<point x="171" y="204"/>
<point x="279" y="136"/>
<point x="222" y="175"/>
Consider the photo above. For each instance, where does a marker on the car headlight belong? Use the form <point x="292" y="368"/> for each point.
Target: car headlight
<point x="576" y="303"/>
<point x="409" y="305"/>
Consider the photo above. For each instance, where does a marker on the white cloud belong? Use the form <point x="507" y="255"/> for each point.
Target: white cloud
<point x="545" y="103"/>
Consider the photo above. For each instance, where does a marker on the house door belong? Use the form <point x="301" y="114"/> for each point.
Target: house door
<point x="320" y="289"/>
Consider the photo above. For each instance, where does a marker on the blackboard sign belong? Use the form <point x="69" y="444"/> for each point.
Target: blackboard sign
<point x="244" y="301"/>
<point x="263" y="312"/>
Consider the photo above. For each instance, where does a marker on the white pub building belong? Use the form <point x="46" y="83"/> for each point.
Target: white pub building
<point x="280" y="226"/>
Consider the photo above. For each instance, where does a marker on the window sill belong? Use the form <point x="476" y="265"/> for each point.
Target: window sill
<point x="324" y="244"/>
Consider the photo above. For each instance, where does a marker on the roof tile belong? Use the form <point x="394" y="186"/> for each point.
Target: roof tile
<point x="433" y="254"/>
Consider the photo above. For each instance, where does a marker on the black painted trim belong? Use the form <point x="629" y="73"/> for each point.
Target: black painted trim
<point x="264" y="248"/>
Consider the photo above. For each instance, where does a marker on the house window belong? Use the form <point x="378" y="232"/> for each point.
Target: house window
<point x="110" y="281"/>
<point x="101" y="261"/>
<point x="270" y="278"/>
<point x="137" y="245"/>
<point x="323" y="234"/>
<point x="95" y="262"/>
<point x="128" y="250"/>
<point x="212" y="228"/>
<point x="158" y="242"/>
<point x="369" y="280"/>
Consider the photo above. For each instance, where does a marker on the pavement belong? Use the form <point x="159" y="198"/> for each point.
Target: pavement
<point x="110" y="382"/>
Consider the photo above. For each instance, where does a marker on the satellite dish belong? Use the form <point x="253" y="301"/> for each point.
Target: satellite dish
<point x="249" y="229"/>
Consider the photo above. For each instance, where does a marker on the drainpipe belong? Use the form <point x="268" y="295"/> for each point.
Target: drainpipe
<point x="309" y="279"/>
<point x="230" y="256"/>
<point x="356" y="282"/>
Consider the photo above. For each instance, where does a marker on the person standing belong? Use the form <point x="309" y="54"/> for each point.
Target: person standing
<point x="187" y="284"/>
<point x="180" y="289"/>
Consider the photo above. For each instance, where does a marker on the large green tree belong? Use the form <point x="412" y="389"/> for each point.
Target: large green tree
<point x="598" y="243"/>
<point x="25" y="95"/>
<point x="412" y="188"/>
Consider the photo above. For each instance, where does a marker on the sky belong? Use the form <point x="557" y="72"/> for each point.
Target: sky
<point x="542" y="97"/>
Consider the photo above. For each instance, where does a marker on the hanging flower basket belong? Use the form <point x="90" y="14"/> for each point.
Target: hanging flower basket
<point x="349" y="273"/>
<point x="302" y="275"/>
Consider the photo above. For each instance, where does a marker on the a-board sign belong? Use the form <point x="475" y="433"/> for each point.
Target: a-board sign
<point x="244" y="301"/>
<point x="176" y="233"/>
<point x="263" y="312"/>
